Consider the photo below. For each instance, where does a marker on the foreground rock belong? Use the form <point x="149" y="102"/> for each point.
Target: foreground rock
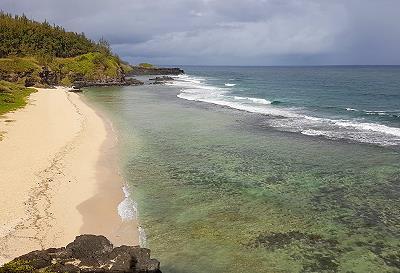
<point x="138" y="70"/>
<point x="87" y="253"/>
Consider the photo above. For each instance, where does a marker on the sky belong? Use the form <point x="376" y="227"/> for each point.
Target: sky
<point x="232" y="32"/>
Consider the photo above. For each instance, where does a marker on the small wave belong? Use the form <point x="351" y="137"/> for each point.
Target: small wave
<point x="127" y="209"/>
<point x="393" y="114"/>
<point x="230" y="84"/>
<point x="311" y="132"/>
<point x="374" y="127"/>
<point x="296" y="119"/>
<point x="142" y="237"/>
<point x="254" y="100"/>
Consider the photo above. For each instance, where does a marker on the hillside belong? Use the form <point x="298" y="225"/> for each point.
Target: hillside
<point x="41" y="55"/>
<point x="21" y="36"/>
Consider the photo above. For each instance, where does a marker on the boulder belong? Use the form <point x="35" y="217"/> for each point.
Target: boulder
<point x="87" y="253"/>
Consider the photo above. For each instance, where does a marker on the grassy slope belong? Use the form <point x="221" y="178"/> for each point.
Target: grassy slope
<point x="94" y="66"/>
<point x="20" y="68"/>
<point x="12" y="96"/>
<point x="18" y="64"/>
<point x="91" y="66"/>
<point x="26" y="46"/>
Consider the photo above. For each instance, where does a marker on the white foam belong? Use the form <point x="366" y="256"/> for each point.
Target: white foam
<point x="369" y="127"/>
<point x="230" y="84"/>
<point x="127" y="209"/>
<point x="253" y="100"/>
<point x="383" y="113"/>
<point x="311" y="132"/>
<point x="291" y="119"/>
<point x="142" y="237"/>
<point x="220" y="99"/>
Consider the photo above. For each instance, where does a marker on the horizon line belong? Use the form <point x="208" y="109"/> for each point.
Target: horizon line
<point x="294" y="65"/>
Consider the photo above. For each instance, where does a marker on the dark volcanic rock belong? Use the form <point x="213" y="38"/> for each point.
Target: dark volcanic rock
<point x="137" y="70"/>
<point x="27" y="77"/>
<point x="161" y="80"/>
<point x="132" y="81"/>
<point x="47" y="77"/>
<point x="87" y="253"/>
<point x="129" y="81"/>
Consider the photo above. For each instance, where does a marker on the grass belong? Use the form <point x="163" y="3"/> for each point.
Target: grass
<point x="90" y="66"/>
<point x="146" y="65"/>
<point x="127" y="68"/>
<point x="20" y="70"/>
<point x="19" y="65"/>
<point x="16" y="266"/>
<point x="94" y="66"/>
<point x="13" y="96"/>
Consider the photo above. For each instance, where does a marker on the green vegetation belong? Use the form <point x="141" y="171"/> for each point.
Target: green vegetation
<point x="19" y="65"/>
<point x="23" y="71"/>
<point x="146" y="65"/>
<point x="93" y="66"/>
<point x="126" y="67"/>
<point x="89" y="67"/>
<point x="16" y="266"/>
<point x="12" y="96"/>
<point x="39" y="54"/>
<point x="21" y="36"/>
<point x="20" y="266"/>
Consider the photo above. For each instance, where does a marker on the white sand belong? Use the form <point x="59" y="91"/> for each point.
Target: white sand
<point x="58" y="176"/>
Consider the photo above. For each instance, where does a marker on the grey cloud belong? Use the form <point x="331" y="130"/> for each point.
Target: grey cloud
<point x="261" y="32"/>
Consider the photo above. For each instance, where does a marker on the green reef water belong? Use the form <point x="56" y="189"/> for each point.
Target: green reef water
<point x="227" y="187"/>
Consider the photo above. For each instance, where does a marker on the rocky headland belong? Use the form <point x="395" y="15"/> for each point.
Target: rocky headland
<point x="139" y="70"/>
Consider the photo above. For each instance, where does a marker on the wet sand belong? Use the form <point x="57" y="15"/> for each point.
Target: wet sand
<point x="59" y="176"/>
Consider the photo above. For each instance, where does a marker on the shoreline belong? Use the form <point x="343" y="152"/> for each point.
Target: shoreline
<point x="59" y="176"/>
<point x="111" y="183"/>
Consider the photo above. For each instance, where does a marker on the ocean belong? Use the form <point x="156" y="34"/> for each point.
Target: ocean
<point x="263" y="169"/>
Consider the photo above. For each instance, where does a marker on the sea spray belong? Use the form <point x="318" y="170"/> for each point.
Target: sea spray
<point x="127" y="209"/>
<point x="142" y="237"/>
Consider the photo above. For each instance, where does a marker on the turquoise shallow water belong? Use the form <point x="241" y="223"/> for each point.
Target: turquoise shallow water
<point x="221" y="190"/>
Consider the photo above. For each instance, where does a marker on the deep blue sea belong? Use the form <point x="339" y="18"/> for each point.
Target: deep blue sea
<point x="263" y="169"/>
<point x="360" y="103"/>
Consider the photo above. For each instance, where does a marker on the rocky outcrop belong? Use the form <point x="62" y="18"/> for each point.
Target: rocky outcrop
<point x="87" y="253"/>
<point x="137" y="70"/>
<point x="161" y="80"/>
<point x="47" y="77"/>
<point x="83" y="71"/>
<point x="125" y="82"/>
<point x="28" y="77"/>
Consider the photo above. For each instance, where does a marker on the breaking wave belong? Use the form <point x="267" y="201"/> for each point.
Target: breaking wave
<point x="291" y="119"/>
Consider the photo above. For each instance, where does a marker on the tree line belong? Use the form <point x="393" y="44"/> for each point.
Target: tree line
<point x="20" y="36"/>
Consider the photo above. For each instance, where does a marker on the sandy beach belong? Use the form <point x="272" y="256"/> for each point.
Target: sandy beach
<point x="58" y="176"/>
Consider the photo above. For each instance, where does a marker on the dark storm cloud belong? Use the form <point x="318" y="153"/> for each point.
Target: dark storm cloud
<point x="261" y="32"/>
